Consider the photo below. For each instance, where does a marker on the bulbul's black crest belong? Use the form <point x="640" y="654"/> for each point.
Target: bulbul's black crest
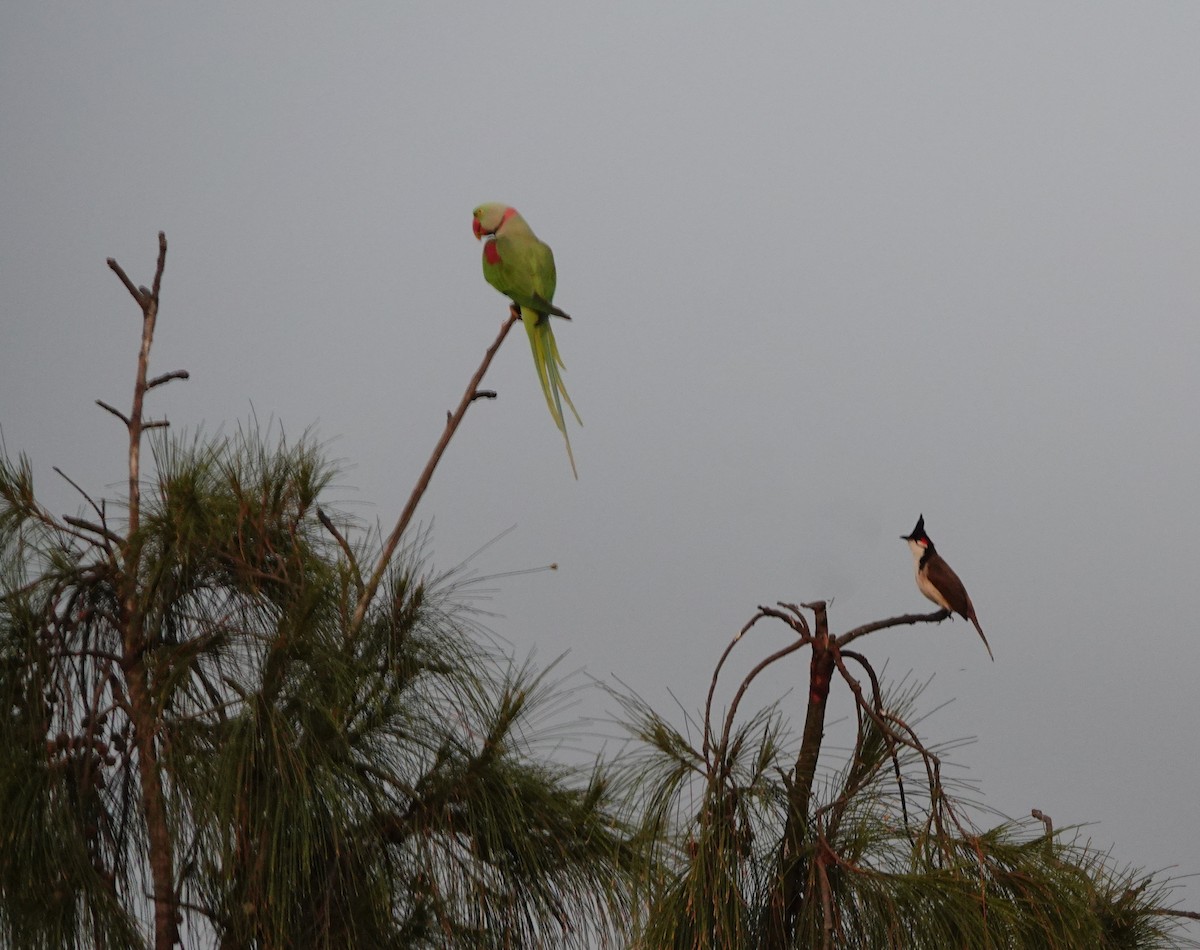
<point x="918" y="533"/>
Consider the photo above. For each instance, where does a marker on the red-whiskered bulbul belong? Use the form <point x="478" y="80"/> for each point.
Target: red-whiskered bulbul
<point x="937" y="581"/>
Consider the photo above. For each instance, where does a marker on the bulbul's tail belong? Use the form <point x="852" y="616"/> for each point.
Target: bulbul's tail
<point x="981" y="636"/>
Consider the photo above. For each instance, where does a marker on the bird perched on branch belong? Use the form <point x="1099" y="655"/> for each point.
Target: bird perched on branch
<point x="521" y="267"/>
<point x="937" y="581"/>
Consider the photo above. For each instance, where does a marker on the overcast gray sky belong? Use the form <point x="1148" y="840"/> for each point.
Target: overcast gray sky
<point x="831" y="266"/>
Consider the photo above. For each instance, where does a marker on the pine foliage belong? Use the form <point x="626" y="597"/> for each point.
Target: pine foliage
<point x="324" y="790"/>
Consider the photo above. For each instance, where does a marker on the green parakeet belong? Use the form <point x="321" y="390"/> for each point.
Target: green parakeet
<point x="521" y="267"/>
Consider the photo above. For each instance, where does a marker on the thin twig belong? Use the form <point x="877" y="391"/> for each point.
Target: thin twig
<point x="94" y="528"/>
<point x="1168" y="912"/>
<point x="149" y="304"/>
<point x="877" y="698"/>
<point x="116" y="412"/>
<point x="882" y="718"/>
<point x="167" y="377"/>
<point x="134" y="291"/>
<point x="861" y="770"/>
<point x="712" y="687"/>
<point x="344" y="545"/>
<point x="410" y="507"/>
<point x="86" y="496"/>
<point x="935" y="617"/>
<point x="798" y="623"/>
<point x="162" y="261"/>
<point x="737" y="697"/>
<point x="795" y="609"/>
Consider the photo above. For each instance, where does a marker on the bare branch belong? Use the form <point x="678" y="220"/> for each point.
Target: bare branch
<point x="890" y="739"/>
<point x="410" y="507"/>
<point x="138" y="683"/>
<point x="712" y="688"/>
<point x="116" y="412"/>
<point x="935" y="617"/>
<point x="162" y="263"/>
<point x="167" y="377"/>
<point x="156" y="424"/>
<point x="88" y="498"/>
<point x="876" y="692"/>
<point x="94" y="528"/>
<point x="903" y="734"/>
<point x="1169" y="912"/>
<point x="344" y="545"/>
<point x="737" y="697"/>
<point x="136" y="419"/>
<point x="939" y="800"/>
<point x="137" y="294"/>
<point x="795" y="610"/>
<point x="798" y="622"/>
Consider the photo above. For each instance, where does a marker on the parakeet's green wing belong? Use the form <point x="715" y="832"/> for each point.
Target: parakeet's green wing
<point x="544" y="276"/>
<point x="524" y="271"/>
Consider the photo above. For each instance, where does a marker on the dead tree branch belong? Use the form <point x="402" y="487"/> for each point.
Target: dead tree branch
<point x="712" y="688"/>
<point x="167" y="377"/>
<point x="84" y="525"/>
<point x="88" y="498"/>
<point x="888" y="738"/>
<point x="800" y="869"/>
<point x="116" y="412"/>
<point x="345" y="546"/>
<point x="723" y="748"/>
<point x="850" y="636"/>
<point x="142" y="707"/>
<point x="410" y="507"/>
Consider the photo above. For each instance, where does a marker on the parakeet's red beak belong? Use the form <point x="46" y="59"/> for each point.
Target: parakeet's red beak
<point x="477" y="228"/>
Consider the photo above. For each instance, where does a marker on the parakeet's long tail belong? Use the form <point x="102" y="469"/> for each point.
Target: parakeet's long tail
<point x="548" y="363"/>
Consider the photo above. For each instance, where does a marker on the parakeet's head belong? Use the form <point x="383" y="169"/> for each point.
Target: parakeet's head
<point x="489" y="217"/>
